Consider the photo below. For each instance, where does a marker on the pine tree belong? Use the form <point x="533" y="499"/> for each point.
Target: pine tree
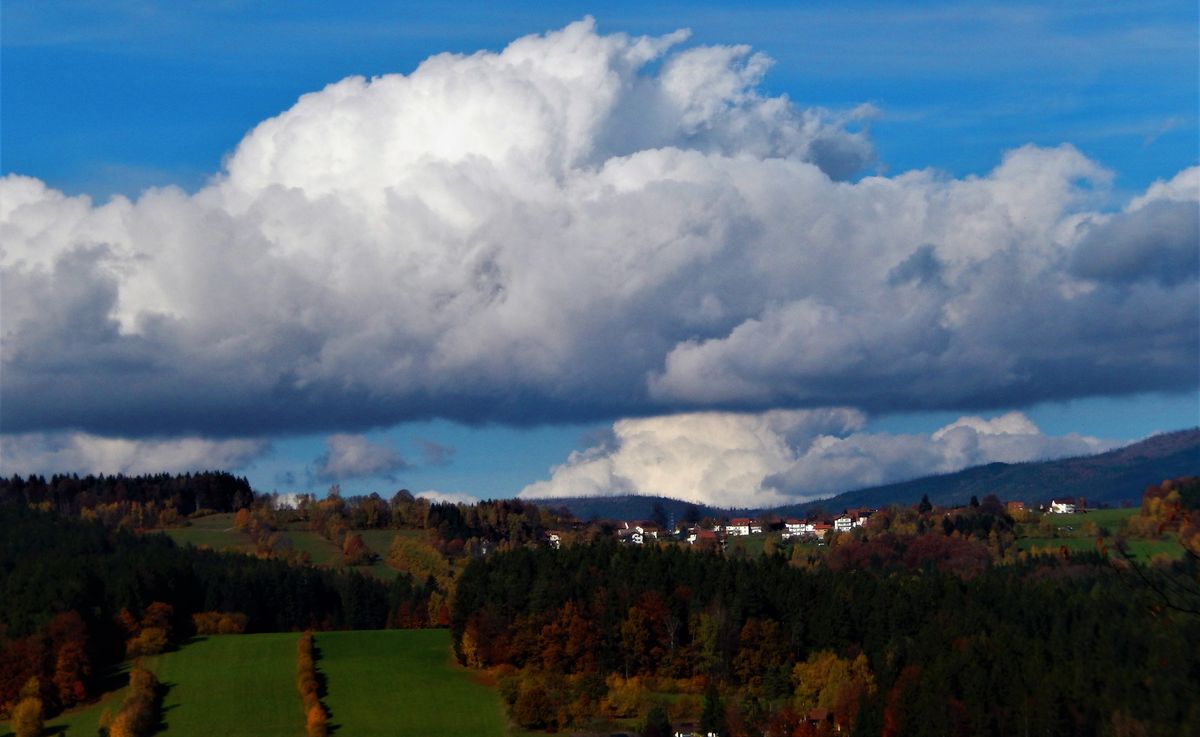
<point x="712" y="718"/>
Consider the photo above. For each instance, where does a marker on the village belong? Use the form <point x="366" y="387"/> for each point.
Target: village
<point x="814" y="529"/>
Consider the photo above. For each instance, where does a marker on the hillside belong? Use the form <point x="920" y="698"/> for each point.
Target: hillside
<point x="1108" y="478"/>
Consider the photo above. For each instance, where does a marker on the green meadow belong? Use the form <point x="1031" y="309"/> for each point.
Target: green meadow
<point x="214" y="531"/>
<point x="1069" y="531"/>
<point x="384" y="682"/>
<point x="390" y="683"/>
<point x="232" y="685"/>
<point x="227" y="685"/>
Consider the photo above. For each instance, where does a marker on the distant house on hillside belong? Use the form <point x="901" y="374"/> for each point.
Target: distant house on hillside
<point x="1015" y="506"/>
<point x="648" y="531"/>
<point x="705" y="538"/>
<point x="845" y="523"/>
<point x="1062" y="506"/>
<point x="739" y="526"/>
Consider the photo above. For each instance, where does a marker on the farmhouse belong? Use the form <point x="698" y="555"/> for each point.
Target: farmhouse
<point x="1062" y="506"/>
<point x="739" y="526"/>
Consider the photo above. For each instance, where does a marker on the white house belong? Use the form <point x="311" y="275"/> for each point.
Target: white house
<point x="739" y="526"/>
<point x="845" y="523"/>
<point x="1062" y="506"/>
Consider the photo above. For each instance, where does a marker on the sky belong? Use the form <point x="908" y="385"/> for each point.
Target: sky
<point x="745" y="255"/>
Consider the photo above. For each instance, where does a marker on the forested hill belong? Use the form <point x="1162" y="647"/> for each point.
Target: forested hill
<point x="1108" y="478"/>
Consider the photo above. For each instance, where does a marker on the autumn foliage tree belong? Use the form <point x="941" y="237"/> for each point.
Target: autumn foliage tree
<point x="139" y="713"/>
<point x="29" y="713"/>
<point x="219" y="623"/>
<point x="151" y="635"/>
<point x="315" y="717"/>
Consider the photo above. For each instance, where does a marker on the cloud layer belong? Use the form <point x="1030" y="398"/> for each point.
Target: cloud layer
<point x="83" y="453"/>
<point x="582" y="226"/>
<point x="787" y="456"/>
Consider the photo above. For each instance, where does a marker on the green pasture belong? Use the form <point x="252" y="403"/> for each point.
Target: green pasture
<point x="232" y="685"/>
<point x="223" y="685"/>
<point x="215" y="531"/>
<point x="1140" y="548"/>
<point x="320" y="551"/>
<point x="82" y="721"/>
<point x="389" y="683"/>
<point x="1068" y="531"/>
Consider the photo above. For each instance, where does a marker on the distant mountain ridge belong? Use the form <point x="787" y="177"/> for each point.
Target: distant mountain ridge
<point x="1107" y="478"/>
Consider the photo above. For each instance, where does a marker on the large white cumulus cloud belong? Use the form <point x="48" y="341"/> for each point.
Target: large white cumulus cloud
<point x="785" y="456"/>
<point x="581" y="226"/>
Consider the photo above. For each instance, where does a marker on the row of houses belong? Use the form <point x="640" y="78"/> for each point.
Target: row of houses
<point x="813" y="528"/>
<point x="1066" y="505"/>
<point x="641" y="533"/>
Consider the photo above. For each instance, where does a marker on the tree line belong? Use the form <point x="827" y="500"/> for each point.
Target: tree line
<point x="1048" y="645"/>
<point x="77" y="597"/>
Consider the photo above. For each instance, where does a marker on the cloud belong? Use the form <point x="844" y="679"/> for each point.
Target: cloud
<point x="82" y="453"/>
<point x="353" y="457"/>
<point x="781" y="457"/>
<point x="581" y="226"/>
<point x="435" y="454"/>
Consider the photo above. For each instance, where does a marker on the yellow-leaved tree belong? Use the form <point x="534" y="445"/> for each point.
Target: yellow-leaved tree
<point x="28" y="715"/>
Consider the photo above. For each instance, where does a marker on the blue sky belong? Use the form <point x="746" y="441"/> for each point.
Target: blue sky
<point x="111" y="98"/>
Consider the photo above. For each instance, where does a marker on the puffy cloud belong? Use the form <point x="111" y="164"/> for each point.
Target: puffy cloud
<point x="82" y="453"/>
<point x="581" y="226"/>
<point x="355" y="456"/>
<point x="786" y="456"/>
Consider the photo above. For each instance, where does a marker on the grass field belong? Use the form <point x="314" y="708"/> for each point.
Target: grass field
<point x="320" y="551"/>
<point x="1069" y="532"/>
<point x="386" y="682"/>
<point x="232" y="685"/>
<point x="402" y="682"/>
<point x="214" y="531"/>
<point x="1111" y="518"/>
<point x="1141" y="549"/>
<point x="229" y="685"/>
<point x="79" y="722"/>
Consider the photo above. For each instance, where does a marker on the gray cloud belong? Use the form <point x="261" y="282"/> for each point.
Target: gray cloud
<point x="1159" y="241"/>
<point x="435" y="454"/>
<point x="83" y="453"/>
<point x="355" y="456"/>
<point x="581" y="226"/>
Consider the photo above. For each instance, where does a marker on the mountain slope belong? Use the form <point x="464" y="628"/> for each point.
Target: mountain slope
<point x="1108" y="478"/>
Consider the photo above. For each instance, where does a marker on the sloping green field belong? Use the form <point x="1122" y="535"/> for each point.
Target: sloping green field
<point x="387" y="682"/>
<point x="232" y="685"/>
<point x="391" y="683"/>
<point x="215" y="531"/>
